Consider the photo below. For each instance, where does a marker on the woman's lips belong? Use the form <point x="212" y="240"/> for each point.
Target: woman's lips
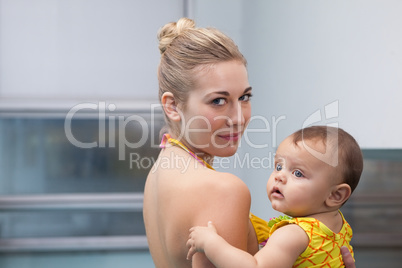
<point x="231" y="137"/>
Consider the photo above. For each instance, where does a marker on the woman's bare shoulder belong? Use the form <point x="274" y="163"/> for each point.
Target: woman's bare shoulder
<point x="222" y="190"/>
<point x="221" y="182"/>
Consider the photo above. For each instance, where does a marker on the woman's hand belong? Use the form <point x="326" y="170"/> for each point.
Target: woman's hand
<point x="347" y="258"/>
<point x="198" y="237"/>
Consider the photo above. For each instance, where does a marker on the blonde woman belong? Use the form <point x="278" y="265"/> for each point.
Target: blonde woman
<point x="205" y="93"/>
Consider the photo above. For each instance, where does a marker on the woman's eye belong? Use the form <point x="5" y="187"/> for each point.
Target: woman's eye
<point x="245" y="97"/>
<point x="298" y="173"/>
<point x="219" y="101"/>
<point x="278" y="167"/>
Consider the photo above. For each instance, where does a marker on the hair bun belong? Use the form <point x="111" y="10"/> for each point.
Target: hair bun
<point x="171" y="30"/>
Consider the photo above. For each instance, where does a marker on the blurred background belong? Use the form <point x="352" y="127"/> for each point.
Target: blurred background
<point x="79" y="120"/>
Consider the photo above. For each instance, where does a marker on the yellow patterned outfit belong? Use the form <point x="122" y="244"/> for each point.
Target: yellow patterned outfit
<point x="324" y="248"/>
<point x="261" y="229"/>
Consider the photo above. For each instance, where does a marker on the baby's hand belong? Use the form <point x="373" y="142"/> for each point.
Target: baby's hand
<point x="198" y="237"/>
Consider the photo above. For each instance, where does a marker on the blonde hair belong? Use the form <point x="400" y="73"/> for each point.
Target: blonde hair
<point x="184" y="49"/>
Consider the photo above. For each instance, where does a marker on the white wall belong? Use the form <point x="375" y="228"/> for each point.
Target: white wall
<point x="84" y="50"/>
<point x="305" y="55"/>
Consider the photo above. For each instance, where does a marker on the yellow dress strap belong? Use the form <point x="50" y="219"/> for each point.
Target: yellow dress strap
<point x="261" y="228"/>
<point x="167" y="138"/>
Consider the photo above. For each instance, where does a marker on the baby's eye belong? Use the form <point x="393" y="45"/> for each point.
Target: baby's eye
<point x="298" y="173"/>
<point x="278" y="167"/>
<point x="219" y="101"/>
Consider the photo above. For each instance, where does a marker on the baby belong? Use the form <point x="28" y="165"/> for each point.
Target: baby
<point x="316" y="170"/>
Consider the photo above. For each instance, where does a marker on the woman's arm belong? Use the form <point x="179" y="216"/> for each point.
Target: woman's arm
<point x="225" y="200"/>
<point x="347" y="258"/>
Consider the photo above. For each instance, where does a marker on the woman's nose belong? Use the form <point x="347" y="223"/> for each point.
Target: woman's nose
<point x="236" y="116"/>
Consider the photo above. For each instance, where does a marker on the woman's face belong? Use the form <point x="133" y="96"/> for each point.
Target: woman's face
<point x="218" y="110"/>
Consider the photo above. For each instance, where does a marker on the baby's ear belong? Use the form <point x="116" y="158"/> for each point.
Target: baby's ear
<point x="169" y="105"/>
<point x="339" y="194"/>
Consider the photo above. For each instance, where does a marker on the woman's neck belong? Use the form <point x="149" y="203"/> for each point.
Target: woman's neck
<point x="192" y="150"/>
<point x="204" y="156"/>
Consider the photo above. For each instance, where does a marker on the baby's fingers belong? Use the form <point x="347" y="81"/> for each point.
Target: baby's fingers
<point x="211" y="226"/>
<point x="189" y="243"/>
<point x="191" y="250"/>
<point x="190" y="253"/>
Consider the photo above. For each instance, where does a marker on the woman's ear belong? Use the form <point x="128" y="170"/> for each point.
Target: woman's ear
<point x="340" y="194"/>
<point x="169" y="105"/>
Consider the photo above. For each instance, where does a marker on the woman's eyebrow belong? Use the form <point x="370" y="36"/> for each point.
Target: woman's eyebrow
<point x="226" y="93"/>
<point x="247" y="89"/>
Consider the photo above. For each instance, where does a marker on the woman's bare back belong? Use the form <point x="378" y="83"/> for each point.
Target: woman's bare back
<point x="175" y="200"/>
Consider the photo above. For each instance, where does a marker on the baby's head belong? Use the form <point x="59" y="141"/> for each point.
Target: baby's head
<point x="341" y="151"/>
<point x="316" y="169"/>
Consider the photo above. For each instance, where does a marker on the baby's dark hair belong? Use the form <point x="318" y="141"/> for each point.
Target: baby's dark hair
<point x="350" y="158"/>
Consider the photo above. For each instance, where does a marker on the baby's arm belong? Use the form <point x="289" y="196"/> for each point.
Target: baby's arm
<point x="217" y="250"/>
<point x="282" y="248"/>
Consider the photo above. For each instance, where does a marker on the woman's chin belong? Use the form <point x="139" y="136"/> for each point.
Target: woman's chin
<point x="226" y="152"/>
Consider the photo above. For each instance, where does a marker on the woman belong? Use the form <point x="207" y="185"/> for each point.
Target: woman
<point x="205" y="93"/>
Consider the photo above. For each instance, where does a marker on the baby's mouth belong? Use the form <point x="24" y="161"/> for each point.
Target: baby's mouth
<point x="276" y="192"/>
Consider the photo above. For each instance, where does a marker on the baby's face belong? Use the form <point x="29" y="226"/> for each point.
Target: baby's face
<point x="300" y="183"/>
